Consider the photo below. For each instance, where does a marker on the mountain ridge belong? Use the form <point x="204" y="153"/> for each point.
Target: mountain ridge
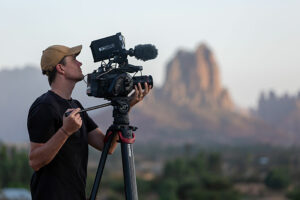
<point x="192" y="106"/>
<point x="196" y="102"/>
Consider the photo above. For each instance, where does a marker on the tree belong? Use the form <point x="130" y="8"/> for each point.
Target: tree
<point x="14" y="168"/>
<point x="198" y="178"/>
<point x="277" y="179"/>
<point x="294" y="194"/>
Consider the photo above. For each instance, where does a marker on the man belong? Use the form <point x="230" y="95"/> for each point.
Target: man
<point x="59" y="144"/>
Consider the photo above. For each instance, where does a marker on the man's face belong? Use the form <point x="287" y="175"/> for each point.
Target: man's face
<point x="72" y="69"/>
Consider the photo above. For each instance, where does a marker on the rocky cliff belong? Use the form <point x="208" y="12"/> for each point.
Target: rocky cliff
<point x="282" y="112"/>
<point x="192" y="106"/>
<point x="193" y="79"/>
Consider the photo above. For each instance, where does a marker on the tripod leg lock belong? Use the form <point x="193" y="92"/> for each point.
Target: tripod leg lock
<point x="126" y="140"/>
<point x="121" y="138"/>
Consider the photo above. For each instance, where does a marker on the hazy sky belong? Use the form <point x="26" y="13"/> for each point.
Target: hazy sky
<point x="256" y="43"/>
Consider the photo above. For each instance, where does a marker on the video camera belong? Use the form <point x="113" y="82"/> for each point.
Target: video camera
<point x="112" y="79"/>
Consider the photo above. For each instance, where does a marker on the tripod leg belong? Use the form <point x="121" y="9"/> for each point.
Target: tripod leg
<point x="129" y="172"/>
<point x="101" y="167"/>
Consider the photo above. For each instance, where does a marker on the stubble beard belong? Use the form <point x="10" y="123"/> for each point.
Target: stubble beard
<point x="79" y="78"/>
<point x="76" y="79"/>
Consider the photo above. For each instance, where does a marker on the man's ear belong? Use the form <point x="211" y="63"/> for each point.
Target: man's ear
<point x="60" y="69"/>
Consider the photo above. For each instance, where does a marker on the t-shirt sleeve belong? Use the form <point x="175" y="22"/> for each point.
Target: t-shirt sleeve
<point x="41" y="123"/>
<point x="90" y="124"/>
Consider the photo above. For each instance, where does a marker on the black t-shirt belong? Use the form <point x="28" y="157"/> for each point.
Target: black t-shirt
<point x="65" y="176"/>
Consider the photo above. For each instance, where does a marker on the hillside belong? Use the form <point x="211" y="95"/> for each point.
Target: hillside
<point x="193" y="107"/>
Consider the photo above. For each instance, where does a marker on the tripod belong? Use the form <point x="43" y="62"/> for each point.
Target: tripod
<point x="121" y="127"/>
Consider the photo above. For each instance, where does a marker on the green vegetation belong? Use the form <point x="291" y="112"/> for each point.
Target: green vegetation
<point x="278" y="179"/>
<point x="184" y="172"/>
<point x="14" y="168"/>
<point x="199" y="178"/>
<point x="294" y="194"/>
<point x="189" y="172"/>
<point x="196" y="177"/>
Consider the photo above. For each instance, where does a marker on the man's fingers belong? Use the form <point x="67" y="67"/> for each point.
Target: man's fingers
<point x="70" y="109"/>
<point x="77" y="116"/>
<point x="79" y="121"/>
<point x="146" y="90"/>
<point x="68" y="112"/>
<point x="136" y="92"/>
<point x="74" y="112"/>
<point x="140" y="88"/>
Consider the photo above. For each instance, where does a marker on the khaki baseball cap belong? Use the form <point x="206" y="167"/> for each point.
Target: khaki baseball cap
<point x="54" y="54"/>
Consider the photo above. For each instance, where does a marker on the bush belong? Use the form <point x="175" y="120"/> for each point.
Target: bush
<point x="294" y="194"/>
<point x="198" y="178"/>
<point x="277" y="179"/>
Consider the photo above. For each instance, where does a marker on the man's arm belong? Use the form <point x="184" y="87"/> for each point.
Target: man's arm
<point x="43" y="153"/>
<point x="96" y="140"/>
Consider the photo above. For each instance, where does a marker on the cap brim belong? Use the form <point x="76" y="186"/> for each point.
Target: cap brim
<point x="76" y="50"/>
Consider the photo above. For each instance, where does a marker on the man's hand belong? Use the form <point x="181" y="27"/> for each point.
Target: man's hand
<point x="73" y="122"/>
<point x="139" y="93"/>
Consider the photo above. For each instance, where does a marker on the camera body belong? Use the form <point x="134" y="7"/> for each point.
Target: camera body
<point x="114" y="84"/>
<point x="112" y="79"/>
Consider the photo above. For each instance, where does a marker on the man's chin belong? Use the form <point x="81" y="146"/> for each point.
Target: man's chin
<point x="80" y="78"/>
<point x="76" y="79"/>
